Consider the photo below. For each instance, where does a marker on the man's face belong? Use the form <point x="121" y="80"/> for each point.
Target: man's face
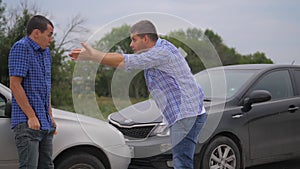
<point x="137" y="43"/>
<point x="45" y="38"/>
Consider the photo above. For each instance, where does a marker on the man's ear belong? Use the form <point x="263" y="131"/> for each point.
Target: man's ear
<point x="35" y="33"/>
<point x="147" y="39"/>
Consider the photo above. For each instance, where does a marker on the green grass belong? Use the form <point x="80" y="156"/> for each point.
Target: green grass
<point x="105" y="104"/>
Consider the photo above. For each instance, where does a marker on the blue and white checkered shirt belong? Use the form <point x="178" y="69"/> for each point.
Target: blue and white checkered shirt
<point x="169" y="80"/>
<point x="28" y="60"/>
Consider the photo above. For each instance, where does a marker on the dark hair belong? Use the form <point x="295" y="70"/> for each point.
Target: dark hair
<point x="145" y="27"/>
<point x="38" y="22"/>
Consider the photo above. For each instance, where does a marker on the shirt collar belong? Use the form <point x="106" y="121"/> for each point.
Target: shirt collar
<point x="158" y="42"/>
<point x="33" y="44"/>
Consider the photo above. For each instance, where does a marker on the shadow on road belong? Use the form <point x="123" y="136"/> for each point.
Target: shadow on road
<point x="294" y="164"/>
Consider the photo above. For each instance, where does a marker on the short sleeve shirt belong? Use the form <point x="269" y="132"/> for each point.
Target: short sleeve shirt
<point x="169" y="80"/>
<point x="28" y="60"/>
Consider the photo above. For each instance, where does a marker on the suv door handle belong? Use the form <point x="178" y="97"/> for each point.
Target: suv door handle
<point x="292" y="109"/>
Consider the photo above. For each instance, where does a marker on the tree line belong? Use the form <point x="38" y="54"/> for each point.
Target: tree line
<point x="12" y="28"/>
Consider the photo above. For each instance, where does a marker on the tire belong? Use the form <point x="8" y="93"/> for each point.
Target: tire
<point x="213" y="157"/>
<point x="79" y="161"/>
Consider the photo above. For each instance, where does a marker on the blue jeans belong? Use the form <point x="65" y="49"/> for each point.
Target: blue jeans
<point x="184" y="137"/>
<point x="34" y="147"/>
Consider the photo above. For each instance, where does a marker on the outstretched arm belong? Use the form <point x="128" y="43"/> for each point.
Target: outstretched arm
<point x="89" y="53"/>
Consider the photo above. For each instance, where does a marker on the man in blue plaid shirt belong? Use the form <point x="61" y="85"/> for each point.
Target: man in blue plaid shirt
<point x="30" y="81"/>
<point x="170" y="82"/>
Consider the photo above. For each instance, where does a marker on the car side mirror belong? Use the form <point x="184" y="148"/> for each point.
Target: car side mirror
<point x="8" y="109"/>
<point x="256" y="96"/>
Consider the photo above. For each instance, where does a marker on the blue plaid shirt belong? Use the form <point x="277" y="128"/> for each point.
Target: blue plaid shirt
<point x="169" y="80"/>
<point x="28" y="60"/>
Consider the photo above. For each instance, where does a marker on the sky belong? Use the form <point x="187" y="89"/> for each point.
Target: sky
<point x="248" y="26"/>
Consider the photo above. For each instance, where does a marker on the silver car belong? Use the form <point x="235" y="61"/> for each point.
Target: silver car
<point x="81" y="142"/>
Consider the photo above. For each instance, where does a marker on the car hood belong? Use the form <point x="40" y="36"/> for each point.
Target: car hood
<point x="75" y="117"/>
<point x="86" y="129"/>
<point x="145" y="112"/>
<point x="140" y="113"/>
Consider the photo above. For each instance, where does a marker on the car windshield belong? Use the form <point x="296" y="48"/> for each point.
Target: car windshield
<point x="222" y="83"/>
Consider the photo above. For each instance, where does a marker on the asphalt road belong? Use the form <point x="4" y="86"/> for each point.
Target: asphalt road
<point x="295" y="164"/>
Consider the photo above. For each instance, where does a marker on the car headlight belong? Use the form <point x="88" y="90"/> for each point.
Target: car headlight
<point x="160" y="130"/>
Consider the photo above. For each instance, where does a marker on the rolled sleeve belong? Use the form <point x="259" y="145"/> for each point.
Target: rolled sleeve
<point x="18" y="61"/>
<point x="127" y="65"/>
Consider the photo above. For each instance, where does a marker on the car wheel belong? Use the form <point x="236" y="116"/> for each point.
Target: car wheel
<point x="79" y="161"/>
<point x="221" y="153"/>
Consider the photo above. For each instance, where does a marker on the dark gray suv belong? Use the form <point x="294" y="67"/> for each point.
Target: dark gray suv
<point x="253" y="118"/>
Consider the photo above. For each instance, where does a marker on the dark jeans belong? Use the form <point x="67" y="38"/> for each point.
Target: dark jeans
<point x="184" y="137"/>
<point x="34" y="147"/>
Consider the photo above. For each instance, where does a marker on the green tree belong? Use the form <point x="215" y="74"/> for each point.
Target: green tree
<point x="62" y="71"/>
<point x="9" y="36"/>
<point x="118" y="40"/>
<point x="200" y="52"/>
<point x="229" y="56"/>
<point x="256" y="58"/>
<point x="200" y="47"/>
<point x="3" y="58"/>
<point x="190" y="42"/>
<point x="114" y="41"/>
<point x="62" y="68"/>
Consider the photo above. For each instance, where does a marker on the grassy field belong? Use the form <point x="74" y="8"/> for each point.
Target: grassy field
<point x="106" y="106"/>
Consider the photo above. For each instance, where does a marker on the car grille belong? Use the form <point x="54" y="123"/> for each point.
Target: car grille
<point x="135" y="132"/>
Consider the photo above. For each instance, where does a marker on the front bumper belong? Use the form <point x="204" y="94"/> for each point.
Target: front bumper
<point x="119" y="156"/>
<point x="155" y="153"/>
<point x="152" y="146"/>
<point x="151" y="153"/>
<point x="163" y="161"/>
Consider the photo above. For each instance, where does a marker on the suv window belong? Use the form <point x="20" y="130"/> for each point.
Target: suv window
<point x="297" y="79"/>
<point x="277" y="83"/>
<point x="2" y="107"/>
